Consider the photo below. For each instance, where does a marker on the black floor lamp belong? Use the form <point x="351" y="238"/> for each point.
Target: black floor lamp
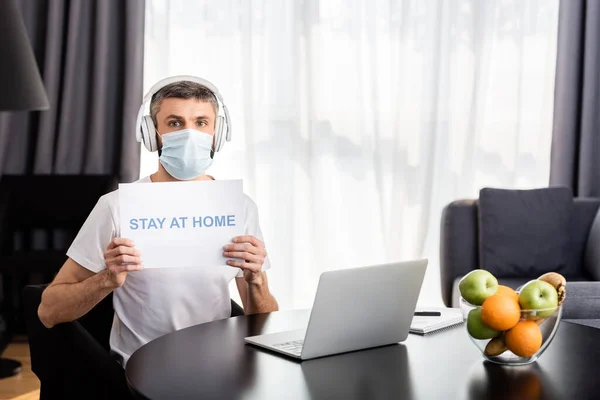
<point x="21" y="89"/>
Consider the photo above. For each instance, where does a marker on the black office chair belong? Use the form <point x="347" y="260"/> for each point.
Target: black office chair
<point x="39" y="217"/>
<point x="72" y="359"/>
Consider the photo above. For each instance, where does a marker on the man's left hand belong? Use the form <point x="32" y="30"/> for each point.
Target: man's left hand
<point x="249" y="254"/>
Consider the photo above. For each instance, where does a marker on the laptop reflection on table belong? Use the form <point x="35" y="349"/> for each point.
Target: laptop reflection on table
<point x="380" y="373"/>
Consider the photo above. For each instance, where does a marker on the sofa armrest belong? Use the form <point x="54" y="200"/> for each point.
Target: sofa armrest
<point x="590" y="225"/>
<point x="458" y="244"/>
<point x="585" y="237"/>
<point x="582" y="301"/>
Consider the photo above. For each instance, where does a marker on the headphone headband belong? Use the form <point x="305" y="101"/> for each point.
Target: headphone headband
<point x="146" y="131"/>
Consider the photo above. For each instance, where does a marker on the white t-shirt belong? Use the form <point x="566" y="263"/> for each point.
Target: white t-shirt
<point x="157" y="301"/>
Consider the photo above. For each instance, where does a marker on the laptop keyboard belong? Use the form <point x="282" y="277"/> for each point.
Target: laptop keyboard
<point x="294" y="347"/>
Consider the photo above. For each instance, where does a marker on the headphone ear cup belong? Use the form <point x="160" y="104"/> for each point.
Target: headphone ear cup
<point x="149" y="133"/>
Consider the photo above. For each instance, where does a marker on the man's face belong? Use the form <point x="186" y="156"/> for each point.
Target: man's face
<point x="178" y="114"/>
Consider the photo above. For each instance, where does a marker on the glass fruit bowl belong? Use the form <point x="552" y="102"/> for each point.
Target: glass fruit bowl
<point x="528" y="332"/>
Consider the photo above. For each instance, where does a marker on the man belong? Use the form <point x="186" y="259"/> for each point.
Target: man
<point x="151" y="303"/>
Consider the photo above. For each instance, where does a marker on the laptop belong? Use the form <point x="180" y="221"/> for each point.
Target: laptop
<point x="354" y="309"/>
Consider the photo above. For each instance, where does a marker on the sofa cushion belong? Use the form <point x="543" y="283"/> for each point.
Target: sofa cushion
<point x="525" y="233"/>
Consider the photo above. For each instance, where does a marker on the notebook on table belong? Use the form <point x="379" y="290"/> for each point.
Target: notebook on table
<point x="425" y="324"/>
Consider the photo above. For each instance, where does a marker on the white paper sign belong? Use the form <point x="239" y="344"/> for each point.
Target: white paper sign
<point x="182" y="224"/>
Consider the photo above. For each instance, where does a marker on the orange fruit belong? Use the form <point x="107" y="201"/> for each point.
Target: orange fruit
<point x="500" y="312"/>
<point x="506" y="291"/>
<point x="525" y="339"/>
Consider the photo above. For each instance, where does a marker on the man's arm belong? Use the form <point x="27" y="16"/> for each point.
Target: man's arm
<point x="76" y="290"/>
<point x="249" y="254"/>
<point x="255" y="296"/>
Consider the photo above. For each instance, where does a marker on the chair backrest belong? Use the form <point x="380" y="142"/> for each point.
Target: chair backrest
<point x="72" y="358"/>
<point x="236" y="310"/>
<point x="97" y="322"/>
<point x="36" y="331"/>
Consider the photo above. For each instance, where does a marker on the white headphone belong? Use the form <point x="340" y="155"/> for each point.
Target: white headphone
<point x="146" y="131"/>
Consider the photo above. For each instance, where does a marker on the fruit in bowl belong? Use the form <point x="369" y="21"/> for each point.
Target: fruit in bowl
<point x="478" y="285"/>
<point x="538" y="295"/>
<point x="511" y="327"/>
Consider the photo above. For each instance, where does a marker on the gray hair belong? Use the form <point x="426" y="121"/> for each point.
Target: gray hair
<point x="182" y="90"/>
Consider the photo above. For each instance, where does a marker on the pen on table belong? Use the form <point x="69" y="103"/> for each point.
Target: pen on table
<point x="428" y="314"/>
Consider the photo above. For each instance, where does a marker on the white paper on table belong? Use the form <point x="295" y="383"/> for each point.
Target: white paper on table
<point x="198" y="219"/>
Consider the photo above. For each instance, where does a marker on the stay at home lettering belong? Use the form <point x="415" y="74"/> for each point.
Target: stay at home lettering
<point x="181" y="222"/>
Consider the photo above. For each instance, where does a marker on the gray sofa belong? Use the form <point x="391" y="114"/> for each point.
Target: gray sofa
<point x="461" y="246"/>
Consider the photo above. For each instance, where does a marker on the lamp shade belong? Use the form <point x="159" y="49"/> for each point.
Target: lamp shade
<point x="21" y="87"/>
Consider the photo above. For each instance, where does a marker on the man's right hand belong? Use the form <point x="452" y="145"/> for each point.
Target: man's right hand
<point x="121" y="257"/>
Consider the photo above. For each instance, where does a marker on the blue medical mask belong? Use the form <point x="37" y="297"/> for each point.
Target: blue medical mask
<point x="185" y="154"/>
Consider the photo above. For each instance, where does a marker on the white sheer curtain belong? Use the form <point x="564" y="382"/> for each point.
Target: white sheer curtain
<point x="356" y="122"/>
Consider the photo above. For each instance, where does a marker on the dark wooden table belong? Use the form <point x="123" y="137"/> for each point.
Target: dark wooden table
<point x="211" y="361"/>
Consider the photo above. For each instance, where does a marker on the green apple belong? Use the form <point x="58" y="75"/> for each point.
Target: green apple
<point x="477" y="329"/>
<point x="539" y="295"/>
<point x="477" y="286"/>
